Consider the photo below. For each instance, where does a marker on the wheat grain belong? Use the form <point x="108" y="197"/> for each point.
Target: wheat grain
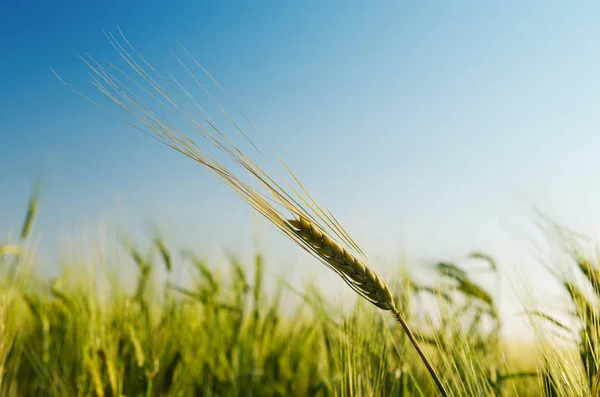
<point x="358" y="276"/>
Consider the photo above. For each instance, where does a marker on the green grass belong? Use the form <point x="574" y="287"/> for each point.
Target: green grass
<point x="226" y="334"/>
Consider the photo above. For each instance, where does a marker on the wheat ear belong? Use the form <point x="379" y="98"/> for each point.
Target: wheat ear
<point x="358" y="276"/>
<point x="293" y="211"/>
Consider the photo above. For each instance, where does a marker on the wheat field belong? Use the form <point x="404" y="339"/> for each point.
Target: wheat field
<point x="88" y="333"/>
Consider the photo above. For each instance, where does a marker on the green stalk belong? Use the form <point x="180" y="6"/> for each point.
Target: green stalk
<point x="398" y="316"/>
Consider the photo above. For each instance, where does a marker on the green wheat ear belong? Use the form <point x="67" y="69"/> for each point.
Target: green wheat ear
<point x="32" y="210"/>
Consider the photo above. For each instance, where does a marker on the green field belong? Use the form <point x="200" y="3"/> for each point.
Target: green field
<point x="87" y="333"/>
<point x="228" y="330"/>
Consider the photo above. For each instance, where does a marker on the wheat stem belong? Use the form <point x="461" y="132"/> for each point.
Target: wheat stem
<point x="438" y="382"/>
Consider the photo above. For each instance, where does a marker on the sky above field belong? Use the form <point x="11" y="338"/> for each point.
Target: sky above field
<point x="428" y="129"/>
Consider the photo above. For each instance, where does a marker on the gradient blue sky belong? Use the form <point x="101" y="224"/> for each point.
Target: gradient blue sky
<point x="431" y="127"/>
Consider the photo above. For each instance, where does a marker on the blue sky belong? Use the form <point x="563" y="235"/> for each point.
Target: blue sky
<point x="431" y="128"/>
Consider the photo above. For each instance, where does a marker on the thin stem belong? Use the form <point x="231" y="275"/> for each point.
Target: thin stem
<point x="421" y="353"/>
